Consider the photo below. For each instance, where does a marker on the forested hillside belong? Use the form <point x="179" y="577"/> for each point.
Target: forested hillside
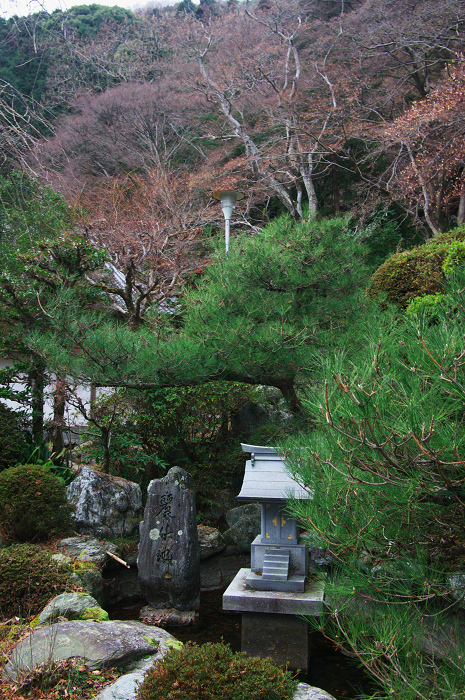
<point x="310" y="106"/>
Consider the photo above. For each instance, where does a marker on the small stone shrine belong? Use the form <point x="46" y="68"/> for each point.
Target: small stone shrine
<point x="278" y="556"/>
<point x="274" y="593"/>
<point x="169" y="553"/>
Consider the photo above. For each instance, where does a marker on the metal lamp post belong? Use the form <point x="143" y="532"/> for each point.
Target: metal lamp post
<point x="228" y="199"/>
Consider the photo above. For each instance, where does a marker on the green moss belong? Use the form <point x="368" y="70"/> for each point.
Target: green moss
<point x="418" y="272"/>
<point x="174" y="644"/>
<point x="96" y="613"/>
<point x="29" y="577"/>
<point x="153" y="642"/>
<point x="214" y="671"/>
<point x="33" y="504"/>
<point x="79" y="565"/>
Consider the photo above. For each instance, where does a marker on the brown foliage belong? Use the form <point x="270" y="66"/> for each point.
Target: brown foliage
<point x="428" y="172"/>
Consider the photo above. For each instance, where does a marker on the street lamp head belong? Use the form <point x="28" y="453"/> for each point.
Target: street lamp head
<point x="228" y="199"/>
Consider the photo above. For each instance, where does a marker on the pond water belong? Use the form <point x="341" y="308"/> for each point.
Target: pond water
<point x="329" y="668"/>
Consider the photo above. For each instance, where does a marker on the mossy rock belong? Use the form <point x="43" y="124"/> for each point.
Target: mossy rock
<point x="96" y="613"/>
<point x="418" y="272"/>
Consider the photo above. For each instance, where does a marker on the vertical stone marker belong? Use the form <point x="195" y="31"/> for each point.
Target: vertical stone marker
<point x="169" y="552"/>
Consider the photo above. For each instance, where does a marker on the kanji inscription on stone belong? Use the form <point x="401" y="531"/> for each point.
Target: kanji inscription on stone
<point x="169" y="552"/>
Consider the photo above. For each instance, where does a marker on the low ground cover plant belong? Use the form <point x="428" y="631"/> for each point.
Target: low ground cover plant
<point x="29" y="578"/>
<point x="214" y="672"/>
<point x="33" y="504"/>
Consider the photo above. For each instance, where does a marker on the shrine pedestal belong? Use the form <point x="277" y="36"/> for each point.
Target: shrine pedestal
<point x="282" y="637"/>
<point x="270" y="626"/>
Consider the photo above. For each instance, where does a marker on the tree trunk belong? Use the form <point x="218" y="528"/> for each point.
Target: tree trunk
<point x="287" y="389"/>
<point x="36" y="381"/>
<point x="106" y="436"/>
<point x="59" y="405"/>
<point x="461" y="212"/>
<point x="335" y="183"/>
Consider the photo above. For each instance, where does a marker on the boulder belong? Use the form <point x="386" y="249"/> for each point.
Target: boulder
<point x="92" y="582"/>
<point x="456" y="581"/>
<point x="72" y="606"/>
<point x="125" y="688"/>
<point x="99" y="644"/>
<point x="105" y="505"/>
<point x="87" y="550"/>
<point x="309" y="692"/>
<point x="122" y="584"/>
<point x="244" y="526"/>
<point x="218" y="571"/>
<point x="211" y="541"/>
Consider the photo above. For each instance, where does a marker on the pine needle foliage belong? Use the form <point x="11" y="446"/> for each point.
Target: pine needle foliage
<point x="255" y="317"/>
<point x="387" y="467"/>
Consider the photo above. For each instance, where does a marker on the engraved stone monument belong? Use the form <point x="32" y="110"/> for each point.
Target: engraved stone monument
<point x="169" y="553"/>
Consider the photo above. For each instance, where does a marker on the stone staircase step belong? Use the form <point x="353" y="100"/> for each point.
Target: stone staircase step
<point x="276" y="565"/>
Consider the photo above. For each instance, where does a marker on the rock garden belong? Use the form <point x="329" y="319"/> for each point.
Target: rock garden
<point x="72" y="556"/>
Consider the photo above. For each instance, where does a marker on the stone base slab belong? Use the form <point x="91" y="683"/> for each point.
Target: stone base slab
<point x="293" y="584"/>
<point x="239" y="598"/>
<point x="167" y="617"/>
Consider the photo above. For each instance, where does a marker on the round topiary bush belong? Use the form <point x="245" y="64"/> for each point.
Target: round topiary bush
<point x="418" y="272"/>
<point x="29" y="577"/>
<point x="33" y="504"/>
<point x="214" y="672"/>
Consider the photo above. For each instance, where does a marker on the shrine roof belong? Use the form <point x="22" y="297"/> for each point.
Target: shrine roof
<point x="266" y="477"/>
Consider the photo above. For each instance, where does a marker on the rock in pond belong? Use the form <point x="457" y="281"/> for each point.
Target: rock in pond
<point x="211" y="541"/>
<point x="87" y="550"/>
<point x="98" y="643"/>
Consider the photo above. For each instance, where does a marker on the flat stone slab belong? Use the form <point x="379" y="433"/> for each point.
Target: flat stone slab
<point x="161" y="617"/>
<point x="100" y="644"/>
<point x="241" y="599"/>
<point x="291" y="584"/>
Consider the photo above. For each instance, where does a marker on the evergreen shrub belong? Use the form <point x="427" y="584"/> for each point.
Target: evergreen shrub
<point x="418" y="272"/>
<point x="11" y="437"/>
<point x="214" y="672"/>
<point x="29" y="577"/>
<point x="33" y="504"/>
